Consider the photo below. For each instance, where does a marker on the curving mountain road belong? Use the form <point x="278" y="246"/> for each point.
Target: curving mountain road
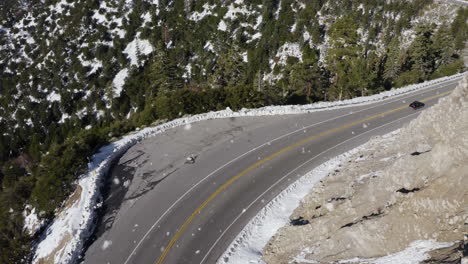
<point x="161" y="209"/>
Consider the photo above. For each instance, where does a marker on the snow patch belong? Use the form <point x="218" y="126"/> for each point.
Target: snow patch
<point x="256" y="36"/>
<point x="222" y="25"/>
<point x="64" y="117"/>
<point x="146" y="18"/>
<point x="94" y="64"/>
<point x="207" y="10"/>
<point x="54" y="97"/>
<point x="293" y="28"/>
<point x="235" y="9"/>
<point x="414" y="254"/>
<point x="306" y="35"/>
<point x="285" y="51"/>
<point x="209" y="46"/>
<point x="137" y="48"/>
<point x="31" y="220"/>
<point x="258" y="22"/>
<point x="119" y="82"/>
<point x="245" y="57"/>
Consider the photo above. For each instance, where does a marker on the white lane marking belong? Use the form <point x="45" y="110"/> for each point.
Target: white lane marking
<point x="289" y="173"/>
<point x="411" y="93"/>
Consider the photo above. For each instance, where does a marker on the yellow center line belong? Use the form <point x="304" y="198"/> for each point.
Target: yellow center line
<point x="235" y="178"/>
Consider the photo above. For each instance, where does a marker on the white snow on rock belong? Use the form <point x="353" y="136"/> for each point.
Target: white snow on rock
<point x="137" y="47"/>
<point x="293" y="28"/>
<point x="245" y="57"/>
<point x="222" y="25"/>
<point x="119" y="82"/>
<point x="306" y="35"/>
<point x="188" y="71"/>
<point x="463" y="2"/>
<point x="146" y="18"/>
<point x="64" y="117"/>
<point x="59" y="7"/>
<point x="256" y="36"/>
<point x="100" y="18"/>
<point x="209" y="46"/>
<point x="259" y="22"/>
<point x="441" y="13"/>
<point x="235" y="9"/>
<point x="464" y="260"/>
<point x="95" y="64"/>
<point x="54" y="97"/>
<point x="414" y="254"/>
<point x="31" y="221"/>
<point x="197" y="16"/>
<point x="63" y="239"/>
<point x="287" y="50"/>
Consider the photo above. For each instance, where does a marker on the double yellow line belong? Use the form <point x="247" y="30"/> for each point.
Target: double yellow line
<point x="235" y="178"/>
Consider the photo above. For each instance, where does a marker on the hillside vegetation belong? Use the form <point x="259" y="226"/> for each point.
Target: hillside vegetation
<point x="74" y="75"/>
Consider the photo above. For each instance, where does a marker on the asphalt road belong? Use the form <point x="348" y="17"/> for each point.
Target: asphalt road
<point x="163" y="210"/>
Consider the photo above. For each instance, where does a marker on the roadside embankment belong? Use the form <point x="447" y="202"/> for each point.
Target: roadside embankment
<point x="402" y="199"/>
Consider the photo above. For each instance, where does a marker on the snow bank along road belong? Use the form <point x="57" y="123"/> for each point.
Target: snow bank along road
<point x="463" y="3"/>
<point x="161" y="209"/>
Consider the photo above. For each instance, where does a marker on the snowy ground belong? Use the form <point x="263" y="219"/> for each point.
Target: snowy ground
<point x="62" y="241"/>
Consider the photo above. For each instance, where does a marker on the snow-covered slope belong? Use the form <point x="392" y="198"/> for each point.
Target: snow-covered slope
<point x="74" y="58"/>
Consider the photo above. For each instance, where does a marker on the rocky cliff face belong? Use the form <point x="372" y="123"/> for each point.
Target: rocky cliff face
<point x="406" y="187"/>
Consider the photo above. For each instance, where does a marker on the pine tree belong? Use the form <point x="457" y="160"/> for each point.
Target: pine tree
<point x="3" y="148"/>
<point x="174" y="72"/>
<point x="258" y="81"/>
<point x="34" y="148"/>
<point x="459" y="28"/>
<point x="444" y="47"/>
<point x="1" y="180"/>
<point x="342" y="54"/>
<point x="394" y="60"/>
<point x="307" y="80"/>
<point x="11" y="174"/>
<point x="359" y="77"/>
<point x="229" y="70"/>
<point x="14" y="242"/>
<point x="158" y="79"/>
<point x="422" y="53"/>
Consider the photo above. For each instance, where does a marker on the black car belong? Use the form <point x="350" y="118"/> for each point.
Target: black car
<point x="416" y="105"/>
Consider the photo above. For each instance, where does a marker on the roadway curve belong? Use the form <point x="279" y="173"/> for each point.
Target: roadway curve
<point x="173" y="212"/>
